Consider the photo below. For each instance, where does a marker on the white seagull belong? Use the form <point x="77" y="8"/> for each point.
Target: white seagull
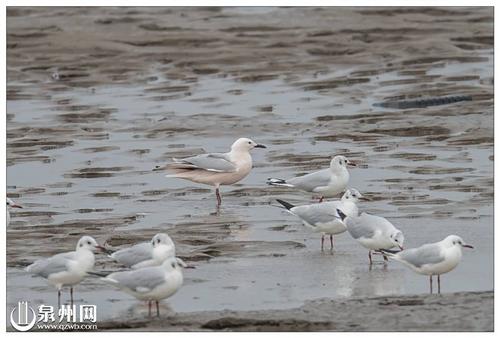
<point x="323" y="217"/>
<point x="432" y="259"/>
<point x="11" y="204"/>
<point x="327" y="182"/>
<point x="216" y="169"/>
<point x="150" y="283"/>
<point x="373" y="232"/>
<point x="151" y="253"/>
<point x="68" y="268"/>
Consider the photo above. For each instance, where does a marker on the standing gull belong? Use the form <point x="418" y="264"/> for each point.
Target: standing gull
<point x="432" y="259"/>
<point x="150" y="283"/>
<point x="216" y="169"/>
<point x="372" y="232"/>
<point x="327" y="182"/>
<point x="323" y="217"/>
<point x="11" y="204"/>
<point x="151" y="253"/>
<point x="68" y="268"/>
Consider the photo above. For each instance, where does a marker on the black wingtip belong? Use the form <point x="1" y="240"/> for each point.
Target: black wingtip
<point x="285" y="204"/>
<point x="341" y="214"/>
<point x="99" y="274"/>
<point x="386" y="251"/>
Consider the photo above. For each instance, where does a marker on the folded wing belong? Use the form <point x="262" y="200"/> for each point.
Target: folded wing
<point x="216" y="162"/>
<point x="141" y="281"/>
<point x="426" y="254"/>
<point x="311" y="181"/>
<point x="133" y="255"/>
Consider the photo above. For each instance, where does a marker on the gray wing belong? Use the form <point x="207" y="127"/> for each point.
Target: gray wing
<point x="46" y="267"/>
<point x="426" y="254"/>
<point x="317" y="213"/>
<point x="362" y="226"/>
<point x="133" y="255"/>
<point x="142" y="280"/>
<point x="217" y="162"/>
<point x="311" y="181"/>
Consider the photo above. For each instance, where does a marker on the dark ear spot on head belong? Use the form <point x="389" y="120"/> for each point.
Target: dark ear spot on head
<point x="173" y="265"/>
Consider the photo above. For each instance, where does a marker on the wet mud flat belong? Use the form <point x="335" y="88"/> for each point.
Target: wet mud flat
<point x="88" y="121"/>
<point x="448" y="312"/>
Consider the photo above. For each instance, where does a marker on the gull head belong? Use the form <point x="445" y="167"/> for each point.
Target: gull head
<point x="339" y="162"/>
<point x="161" y="239"/>
<point x="173" y="263"/>
<point x="89" y="243"/>
<point x="398" y="239"/>
<point x="453" y="240"/>
<point x="245" y="144"/>
<point x="12" y="204"/>
<point x="353" y="195"/>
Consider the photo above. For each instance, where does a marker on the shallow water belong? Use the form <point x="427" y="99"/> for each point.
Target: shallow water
<point x="81" y="150"/>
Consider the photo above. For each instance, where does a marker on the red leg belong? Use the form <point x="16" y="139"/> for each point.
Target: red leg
<point x="59" y="299"/>
<point x="71" y="292"/>
<point x="157" y="309"/>
<point x="370" y="256"/>
<point x="219" y="199"/>
<point x="331" y="242"/>
<point x="149" y="306"/>
<point x="430" y="282"/>
<point x="439" y="283"/>
<point x="321" y="199"/>
<point x="322" y="241"/>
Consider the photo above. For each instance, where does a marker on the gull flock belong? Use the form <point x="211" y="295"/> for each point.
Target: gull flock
<point x="151" y="271"/>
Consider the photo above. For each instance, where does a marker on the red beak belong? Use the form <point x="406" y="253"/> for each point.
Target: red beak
<point x="103" y="249"/>
<point x="16" y="206"/>
<point x="468" y="246"/>
<point x="401" y="247"/>
<point x="352" y="164"/>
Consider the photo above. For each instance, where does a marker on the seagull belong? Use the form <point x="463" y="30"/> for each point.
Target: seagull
<point x="432" y="259"/>
<point x="146" y="254"/>
<point x="327" y="182"/>
<point x="68" y="268"/>
<point x="150" y="283"/>
<point x="11" y="204"/>
<point x="372" y="232"/>
<point x="216" y="169"/>
<point x="323" y="217"/>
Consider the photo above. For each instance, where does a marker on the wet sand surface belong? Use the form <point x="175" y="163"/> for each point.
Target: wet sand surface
<point x="97" y="97"/>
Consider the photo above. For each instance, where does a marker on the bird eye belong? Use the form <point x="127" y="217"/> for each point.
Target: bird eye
<point x="173" y="265"/>
<point x="249" y="142"/>
<point x="89" y="243"/>
<point x="158" y="240"/>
